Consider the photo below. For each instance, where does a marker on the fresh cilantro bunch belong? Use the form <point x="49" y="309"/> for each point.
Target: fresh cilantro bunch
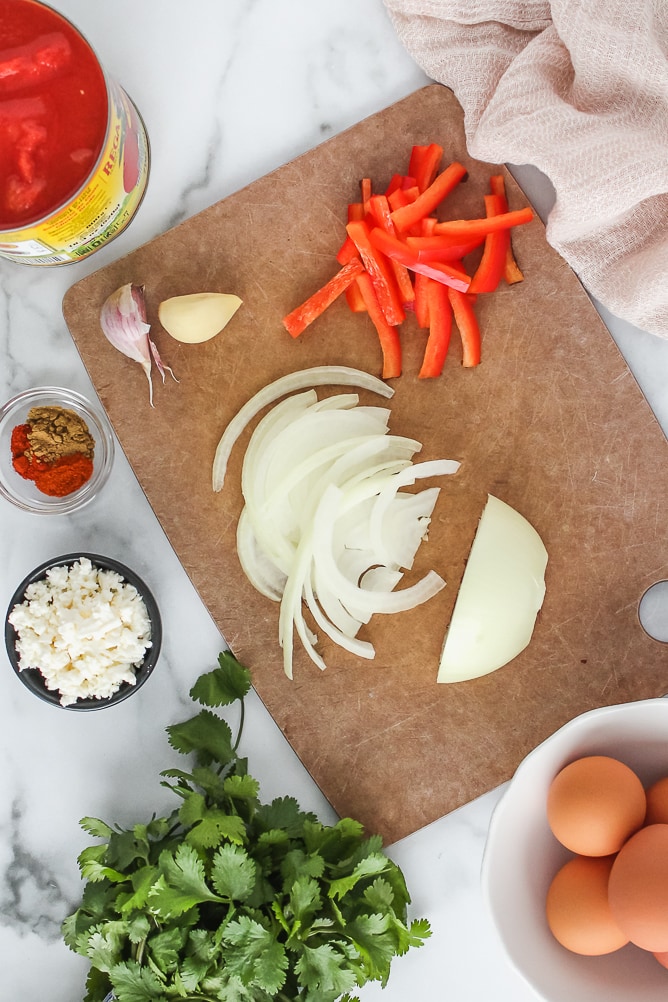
<point x="231" y="900"/>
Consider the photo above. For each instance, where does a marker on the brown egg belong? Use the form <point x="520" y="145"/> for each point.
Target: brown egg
<point x="638" y="888"/>
<point x="657" y="803"/>
<point x="594" y="804"/>
<point x="577" y="908"/>
<point x="662" y="958"/>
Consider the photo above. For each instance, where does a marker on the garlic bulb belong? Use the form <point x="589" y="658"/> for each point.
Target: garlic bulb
<point x="123" y="323"/>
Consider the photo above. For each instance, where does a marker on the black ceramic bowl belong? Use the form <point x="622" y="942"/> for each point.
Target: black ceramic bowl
<point x="32" y="677"/>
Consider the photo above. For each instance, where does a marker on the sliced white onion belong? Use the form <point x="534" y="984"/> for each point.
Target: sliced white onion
<point x="322" y="375"/>
<point x="325" y="525"/>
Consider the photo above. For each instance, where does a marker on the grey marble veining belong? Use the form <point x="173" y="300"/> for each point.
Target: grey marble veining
<point x="228" y="90"/>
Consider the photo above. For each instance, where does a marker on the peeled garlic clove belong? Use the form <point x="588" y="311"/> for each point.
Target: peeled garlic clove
<point x="199" y="316"/>
<point x="124" y="324"/>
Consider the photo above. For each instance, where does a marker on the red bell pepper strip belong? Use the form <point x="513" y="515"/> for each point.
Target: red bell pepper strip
<point x="347" y="249"/>
<point x="467" y="325"/>
<point x="354" y="298"/>
<point x="442" y="248"/>
<point x="380" y="271"/>
<point x="365" y="189"/>
<point x="489" y="272"/>
<point x="440" y="330"/>
<point x="424" y="163"/>
<point x="395" y="183"/>
<point x="512" y="272"/>
<point x="421" y="304"/>
<point x="405" y="217"/>
<point x="469" y="228"/>
<point x="401" y="197"/>
<point x="298" y="320"/>
<point x="388" y="335"/>
<point x="397" y="250"/>
<point x="380" y="212"/>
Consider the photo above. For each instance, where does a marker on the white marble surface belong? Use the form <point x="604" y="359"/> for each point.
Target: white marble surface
<point x="228" y="91"/>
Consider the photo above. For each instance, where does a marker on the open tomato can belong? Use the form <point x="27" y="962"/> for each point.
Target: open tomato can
<point x="74" y="152"/>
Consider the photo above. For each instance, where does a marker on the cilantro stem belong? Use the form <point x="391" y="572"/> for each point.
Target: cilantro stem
<point x="242" y="717"/>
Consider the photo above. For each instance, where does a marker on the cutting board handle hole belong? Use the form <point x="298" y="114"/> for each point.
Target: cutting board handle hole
<point x="653" y="611"/>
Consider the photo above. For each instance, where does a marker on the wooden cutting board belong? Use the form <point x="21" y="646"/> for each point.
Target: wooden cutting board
<point x="552" y="422"/>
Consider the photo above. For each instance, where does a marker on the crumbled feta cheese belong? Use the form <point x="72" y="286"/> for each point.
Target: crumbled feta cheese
<point x="84" y="628"/>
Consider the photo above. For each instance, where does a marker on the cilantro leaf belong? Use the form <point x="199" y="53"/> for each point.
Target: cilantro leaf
<point x="182" y="884"/>
<point x="214" y="827"/>
<point x="97" y="986"/>
<point x="371" y="937"/>
<point x="285" y="813"/>
<point x="95" y="827"/>
<point x="105" y="945"/>
<point x="369" y="866"/>
<point x="255" y="955"/>
<point x="203" y="733"/>
<point x="296" y="863"/>
<point x="165" y="948"/>
<point x="142" y="880"/>
<point x="304" y="899"/>
<point x="224" y="685"/>
<point x="192" y="809"/>
<point x="132" y="983"/>
<point x="241" y="787"/>
<point x="324" y="969"/>
<point x="233" y="873"/>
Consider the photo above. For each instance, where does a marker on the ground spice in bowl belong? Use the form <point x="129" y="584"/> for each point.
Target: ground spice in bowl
<point x="54" y="448"/>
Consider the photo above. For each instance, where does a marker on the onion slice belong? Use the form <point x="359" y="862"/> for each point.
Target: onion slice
<point x="319" y="375"/>
<point x="326" y="527"/>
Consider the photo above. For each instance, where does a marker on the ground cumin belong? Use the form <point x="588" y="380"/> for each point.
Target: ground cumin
<point x="56" y="432"/>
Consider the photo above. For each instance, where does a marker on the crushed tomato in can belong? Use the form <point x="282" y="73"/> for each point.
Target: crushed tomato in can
<point x="74" y="153"/>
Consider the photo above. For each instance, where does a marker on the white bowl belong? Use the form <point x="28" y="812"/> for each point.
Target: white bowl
<point x="522" y="856"/>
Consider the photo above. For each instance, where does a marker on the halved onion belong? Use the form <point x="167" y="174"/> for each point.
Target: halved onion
<point x="319" y="375"/>
<point x="326" y="524"/>
<point x="502" y="590"/>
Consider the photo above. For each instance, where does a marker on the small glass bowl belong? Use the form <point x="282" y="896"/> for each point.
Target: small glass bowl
<point x="33" y="679"/>
<point x="23" y="493"/>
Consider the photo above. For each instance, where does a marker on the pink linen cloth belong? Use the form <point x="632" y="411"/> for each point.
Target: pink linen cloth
<point x="578" y="89"/>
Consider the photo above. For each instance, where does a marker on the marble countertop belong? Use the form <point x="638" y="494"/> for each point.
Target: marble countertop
<point x="228" y="92"/>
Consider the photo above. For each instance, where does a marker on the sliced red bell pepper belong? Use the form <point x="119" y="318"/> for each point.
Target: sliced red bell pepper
<point x="365" y="188"/>
<point x="397" y="250"/>
<point x="406" y="216"/>
<point x="394" y="183"/>
<point x="401" y="197"/>
<point x="299" y="319"/>
<point x="347" y="249"/>
<point x="469" y="228"/>
<point x="440" y="330"/>
<point x="380" y="212"/>
<point x="380" y="271"/>
<point x="467" y="325"/>
<point x="354" y="298"/>
<point x="388" y="335"/>
<point x="421" y="303"/>
<point x="489" y="272"/>
<point x="439" y="248"/>
<point x="512" y="272"/>
<point x="424" y="163"/>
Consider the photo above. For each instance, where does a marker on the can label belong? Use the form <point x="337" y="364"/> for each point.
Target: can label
<point x="103" y="206"/>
